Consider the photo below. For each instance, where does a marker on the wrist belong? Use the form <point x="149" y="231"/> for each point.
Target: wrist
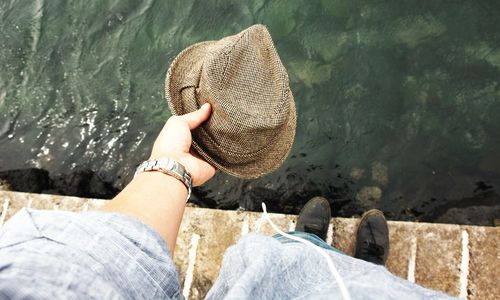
<point x="177" y="156"/>
<point x="160" y="186"/>
<point x="170" y="167"/>
<point x="173" y="155"/>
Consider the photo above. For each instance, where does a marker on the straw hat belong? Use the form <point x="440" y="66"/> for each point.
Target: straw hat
<point x="252" y="126"/>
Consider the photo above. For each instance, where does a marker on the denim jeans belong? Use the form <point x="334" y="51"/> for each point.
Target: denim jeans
<point x="306" y="236"/>
<point x="100" y="255"/>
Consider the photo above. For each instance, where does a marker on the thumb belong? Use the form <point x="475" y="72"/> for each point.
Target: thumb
<point x="195" y="118"/>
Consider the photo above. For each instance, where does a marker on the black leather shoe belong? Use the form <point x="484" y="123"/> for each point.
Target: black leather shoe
<point x="315" y="217"/>
<point x="372" y="240"/>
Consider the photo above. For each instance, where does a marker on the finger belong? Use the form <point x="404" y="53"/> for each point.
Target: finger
<point x="195" y="154"/>
<point x="195" y="118"/>
<point x="199" y="157"/>
<point x="207" y="171"/>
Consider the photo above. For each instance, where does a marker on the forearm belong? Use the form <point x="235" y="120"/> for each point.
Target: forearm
<point x="157" y="200"/>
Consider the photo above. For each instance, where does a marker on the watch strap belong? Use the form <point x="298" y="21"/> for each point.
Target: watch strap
<point x="169" y="167"/>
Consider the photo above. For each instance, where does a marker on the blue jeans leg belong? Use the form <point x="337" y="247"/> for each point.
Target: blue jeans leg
<point x="306" y="236"/>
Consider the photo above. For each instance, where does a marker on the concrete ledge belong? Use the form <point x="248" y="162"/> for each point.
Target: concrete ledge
<point x="459" y="260"/>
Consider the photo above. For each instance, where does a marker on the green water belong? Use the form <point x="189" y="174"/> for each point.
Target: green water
<point x="398" y="101"/>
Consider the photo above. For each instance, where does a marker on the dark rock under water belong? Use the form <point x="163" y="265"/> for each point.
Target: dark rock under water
<point x="81" y="183"/>
<point x="482" y="209"/>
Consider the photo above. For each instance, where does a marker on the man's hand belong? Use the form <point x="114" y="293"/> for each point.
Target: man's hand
<point x="174" y="141"/>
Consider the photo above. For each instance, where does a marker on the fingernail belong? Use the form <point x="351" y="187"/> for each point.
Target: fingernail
<point x="206" y="105"/>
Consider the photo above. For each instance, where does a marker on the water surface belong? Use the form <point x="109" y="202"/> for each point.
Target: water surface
<point x="398" y="101"/>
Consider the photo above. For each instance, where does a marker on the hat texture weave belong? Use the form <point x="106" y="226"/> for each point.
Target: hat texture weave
<point x="252" y="126"/>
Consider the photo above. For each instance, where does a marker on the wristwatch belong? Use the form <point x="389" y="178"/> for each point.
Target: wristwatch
<point x="170" y="167"/>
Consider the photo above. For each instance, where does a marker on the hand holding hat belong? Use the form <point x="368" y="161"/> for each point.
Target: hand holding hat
<point x="252" y="126"/>
<point x="174" y="141"/>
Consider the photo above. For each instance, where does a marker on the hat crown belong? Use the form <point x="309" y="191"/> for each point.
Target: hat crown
<point x="247" y="85"/>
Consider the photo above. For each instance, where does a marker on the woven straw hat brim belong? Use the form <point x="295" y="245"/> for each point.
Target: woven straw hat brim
<point x="263" y="161"/>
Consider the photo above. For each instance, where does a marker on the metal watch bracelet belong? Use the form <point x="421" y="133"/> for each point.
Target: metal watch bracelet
<point x="169" y="167"/>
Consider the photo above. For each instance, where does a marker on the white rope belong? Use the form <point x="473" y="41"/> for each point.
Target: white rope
<point x="333" y="270"/>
